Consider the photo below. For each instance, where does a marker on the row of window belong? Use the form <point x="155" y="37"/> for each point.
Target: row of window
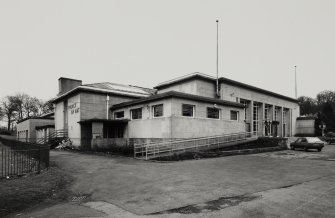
<point x="187" y="111"/>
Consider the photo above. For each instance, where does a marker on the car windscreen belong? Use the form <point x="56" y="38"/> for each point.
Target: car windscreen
<point x="314" y="140"/>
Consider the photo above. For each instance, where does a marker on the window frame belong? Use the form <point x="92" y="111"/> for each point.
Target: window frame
<point x="215" y="108"/>
<point x="115" y="113"/>
<point x="131" y="113"/>
<point x="153" y="110"/>
<point x="237" y="115"/>
<point x="193" y="110"/>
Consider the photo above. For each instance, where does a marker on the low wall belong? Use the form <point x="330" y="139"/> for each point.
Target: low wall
<point x="108" y="143"/>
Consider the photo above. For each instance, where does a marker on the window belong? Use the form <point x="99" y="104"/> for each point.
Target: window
<point x="213" y="113"/>
<point x="158" y="110"/>
<point x="187" y="110"/>
<point x="245" y="103"/>
<point x="255" y="117"/>
<point x="284" y="116"/>
<point x="233" y="115"/>
<point x="118" y="115"/>
<point x="266" y="112"/>
<point x="276" y="113"/>
<point x="136" y="114"/>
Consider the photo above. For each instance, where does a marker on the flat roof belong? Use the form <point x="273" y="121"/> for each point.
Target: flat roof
<point x="174" y="94"/>
<point x="205" y="77"/>
<point x="305" y="118"/>
<point x="44" y="126"/>
<point x="35" y="118"/>
<point x="104" y="121"/>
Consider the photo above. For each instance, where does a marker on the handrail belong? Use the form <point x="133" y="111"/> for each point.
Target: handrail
<point x="156" y="148"/>
<point x="52" y="135"/>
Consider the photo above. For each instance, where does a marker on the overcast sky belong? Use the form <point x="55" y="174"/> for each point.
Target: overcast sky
<point x="147" y="42"/>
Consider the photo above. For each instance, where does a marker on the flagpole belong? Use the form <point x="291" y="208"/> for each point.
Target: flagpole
<point x="217" y="57"/>
<point x="296" y="89"/>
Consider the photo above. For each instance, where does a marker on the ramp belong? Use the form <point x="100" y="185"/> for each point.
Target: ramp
<point x="152" y="150"/>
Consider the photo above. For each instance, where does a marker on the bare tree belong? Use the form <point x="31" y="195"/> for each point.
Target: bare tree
<point x="30" y="106"/>
<point x="9" y="109"/>
<point x="45" y="107"/>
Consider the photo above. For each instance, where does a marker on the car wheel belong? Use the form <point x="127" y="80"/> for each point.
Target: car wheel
<point x="292" y="148"/>
<point x="319" y="149"/>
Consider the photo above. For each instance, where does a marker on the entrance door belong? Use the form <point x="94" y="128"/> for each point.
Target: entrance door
<point x="274" y="131"/>
<point x="284" y="130"/>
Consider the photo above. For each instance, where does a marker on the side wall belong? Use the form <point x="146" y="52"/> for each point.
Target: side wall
<point x="30" y="125"/>
<point x="305" y="127"/>
<point x="149" y="126"/>
<point x="195" y="87"/>
<point x="174" y="125"/>
<point x="200" y="125"/>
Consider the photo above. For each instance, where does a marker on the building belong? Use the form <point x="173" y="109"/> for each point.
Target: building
<point x="32" y="128"/>
<point x="186" y="107"/>
<point x="305" y="126"/>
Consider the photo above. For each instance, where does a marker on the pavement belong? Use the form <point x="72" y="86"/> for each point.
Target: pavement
<point x="276" y="184"/>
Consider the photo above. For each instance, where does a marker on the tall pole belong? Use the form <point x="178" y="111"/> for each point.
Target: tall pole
<point x="217" y="57"/>
<point x="296" y="89"/>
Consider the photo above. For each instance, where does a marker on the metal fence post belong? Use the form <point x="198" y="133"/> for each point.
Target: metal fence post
<point x="146" y="152"/>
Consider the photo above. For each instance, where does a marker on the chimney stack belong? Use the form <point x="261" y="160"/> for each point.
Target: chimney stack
<point x="67" y="84"/>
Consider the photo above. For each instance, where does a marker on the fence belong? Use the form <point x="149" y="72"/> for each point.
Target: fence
<point x="19" y="158"/>
<point x="148" y="150"/>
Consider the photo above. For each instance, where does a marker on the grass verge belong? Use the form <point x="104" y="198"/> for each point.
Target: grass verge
<point x="27" y="191"/>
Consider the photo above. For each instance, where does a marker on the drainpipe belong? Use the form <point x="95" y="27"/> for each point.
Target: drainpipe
<point x="107" y="106"/>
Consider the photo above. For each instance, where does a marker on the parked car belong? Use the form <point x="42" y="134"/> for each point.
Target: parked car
<point x="330" y="137"/>
<point x="308" y="143"/>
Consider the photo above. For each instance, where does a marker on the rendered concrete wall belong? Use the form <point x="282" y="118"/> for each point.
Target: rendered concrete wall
<point x="148" y="126"/>
<point x="231" y="92"/>
<point x="200" y="125"/>
<point x="30" y="125"/>
<point x="305" y="127"/>
<point x="94" y="105"/>
<point x="195" y="87"/>
<point x="59" y="115"/>
<point x="173" y="125"/>
<point x="73" y="113"/>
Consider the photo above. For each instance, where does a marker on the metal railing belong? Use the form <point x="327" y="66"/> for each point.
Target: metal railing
<point x="61" y="133"/>
<point x="20" y="158"/>
<point x="149" y="150"/>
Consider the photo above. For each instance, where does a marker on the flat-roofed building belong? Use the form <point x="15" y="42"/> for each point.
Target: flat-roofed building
<point x="186" y="107"/>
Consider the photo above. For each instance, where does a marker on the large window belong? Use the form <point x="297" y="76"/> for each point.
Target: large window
<point x="213" y="113"/>
<point x="276" y="113"/>
<point x="284" y="116"/>
<point x="233" y="115"/>
<point x="255" y="117"/>
<point x="245" y="103"/>
<point x="136" y="113"/>
<point x="187" y="110"/>
<point x="157" y="110"/>
<point x="266" y="112"/>
<point x="119" y="115"/>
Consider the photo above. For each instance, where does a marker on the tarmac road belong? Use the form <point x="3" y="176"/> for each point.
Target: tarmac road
<point x="277" y="184"/>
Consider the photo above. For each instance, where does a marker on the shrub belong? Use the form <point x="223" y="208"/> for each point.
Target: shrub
<point x="5" y="132"/>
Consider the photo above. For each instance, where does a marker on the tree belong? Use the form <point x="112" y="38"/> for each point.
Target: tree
<point x="45" y="107"/>
<point x="30" y="106"/>
<point x="9" y="109"/>
<point x="1" y="113"/>
<point x="308" y="106"/>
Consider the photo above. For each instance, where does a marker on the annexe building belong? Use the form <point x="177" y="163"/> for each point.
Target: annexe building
<point x="186" y="107"/>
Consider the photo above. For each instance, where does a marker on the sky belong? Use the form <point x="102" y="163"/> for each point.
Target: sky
<point x="147" y="42"/>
